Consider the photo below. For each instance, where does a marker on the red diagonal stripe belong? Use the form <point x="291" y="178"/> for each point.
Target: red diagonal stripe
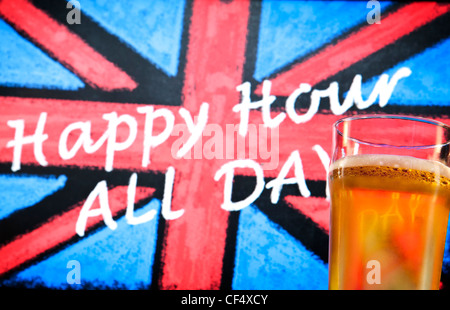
<point x="60" y="229"/>
<point x="316" y="208"/>
<point x="65" y="46"/>
<point x="357" y="46"/>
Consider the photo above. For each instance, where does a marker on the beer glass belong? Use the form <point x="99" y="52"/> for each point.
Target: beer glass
<point x="389" y="183"/>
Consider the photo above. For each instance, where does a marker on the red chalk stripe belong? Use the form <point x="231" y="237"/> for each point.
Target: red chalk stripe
<point x="65" y="46"/>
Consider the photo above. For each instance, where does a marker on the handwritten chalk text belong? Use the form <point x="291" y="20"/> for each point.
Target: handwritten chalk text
<point x="121" y="133"/>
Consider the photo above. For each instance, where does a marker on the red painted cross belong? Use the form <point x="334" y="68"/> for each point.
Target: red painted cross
<point x="194" y="244"/>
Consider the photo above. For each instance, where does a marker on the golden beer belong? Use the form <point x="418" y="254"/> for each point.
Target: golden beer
<point x="388" y="224"/>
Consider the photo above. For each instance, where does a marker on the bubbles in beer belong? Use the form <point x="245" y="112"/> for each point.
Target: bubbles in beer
<point x="389" y="209"/>
<point x="407" y="169"/>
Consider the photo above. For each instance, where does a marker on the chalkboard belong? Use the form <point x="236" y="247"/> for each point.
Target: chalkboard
<point x="184" y="144"/>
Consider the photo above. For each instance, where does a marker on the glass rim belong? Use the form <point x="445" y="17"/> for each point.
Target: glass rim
<point x="393" y="116"/>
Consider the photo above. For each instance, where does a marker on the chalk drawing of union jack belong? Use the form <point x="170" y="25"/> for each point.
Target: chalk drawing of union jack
<point x="72" y="95"/>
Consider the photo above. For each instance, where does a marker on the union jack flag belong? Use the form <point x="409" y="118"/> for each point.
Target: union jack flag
<point x="123" y="58"/>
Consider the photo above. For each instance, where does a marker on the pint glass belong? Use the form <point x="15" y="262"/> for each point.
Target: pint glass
<point x="389" y="183"/>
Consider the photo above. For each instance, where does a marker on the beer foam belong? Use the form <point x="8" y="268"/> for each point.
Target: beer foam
<point x="393" y="161"/>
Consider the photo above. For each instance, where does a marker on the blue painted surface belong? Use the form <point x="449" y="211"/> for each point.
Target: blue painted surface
<point x="291" y="29"/>
<point x="19" y="56"/>
<point x="446" y="262"/>
<point x="267" y="257"/>
<point x="152" y="28"/>
<point x="21" y="191"/>
<point x="428" y="84"/>
<point x="122" y="258"/>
